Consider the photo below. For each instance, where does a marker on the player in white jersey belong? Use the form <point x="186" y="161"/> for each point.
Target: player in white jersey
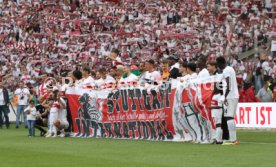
<point x="61" y="122"/>
<point x="192" y="115"/>
<point x="129" y="78"/>
<point x="217" y="110"/>
<point x="203" y="73"/>
<point x="231" y="98"/>
<point x="101" y="83"/>
<point x="57" y="105"/>
<point x="87" y="79"/>
<point x="151" y="76"/>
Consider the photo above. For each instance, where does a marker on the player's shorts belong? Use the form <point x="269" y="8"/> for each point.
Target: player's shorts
<point x="64" y="123"/>
<point x="231" y="109"/>
<point x="217" y="115"/>
<point x="53" y="116"/>
<point x="39" y="122"/>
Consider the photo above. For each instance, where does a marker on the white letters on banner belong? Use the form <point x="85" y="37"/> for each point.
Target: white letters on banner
<point x="256" y="115"/>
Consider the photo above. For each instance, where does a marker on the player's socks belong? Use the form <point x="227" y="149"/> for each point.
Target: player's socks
<point x="49" y="134"/>
<point x="213" y="134"/>
<point x="218" y="134"/>
<point x="62" y="133"/>
<point x="54" y="129"/>
<point x="232" y="130"/>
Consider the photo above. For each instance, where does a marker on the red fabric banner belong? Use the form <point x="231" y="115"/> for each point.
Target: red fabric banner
<point x="160" y="113"/>
<point x="126" y="113"/>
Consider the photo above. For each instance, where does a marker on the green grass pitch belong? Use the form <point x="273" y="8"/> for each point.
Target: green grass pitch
<point x="17" y="150"/>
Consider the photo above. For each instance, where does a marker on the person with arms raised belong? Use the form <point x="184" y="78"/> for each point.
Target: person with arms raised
<point x="114" y="56"/>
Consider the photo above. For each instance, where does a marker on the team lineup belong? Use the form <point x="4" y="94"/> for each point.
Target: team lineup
<point x="191" y="124"/>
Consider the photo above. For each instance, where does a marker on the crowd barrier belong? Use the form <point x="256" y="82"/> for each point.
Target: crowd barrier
<point x="256" y="115"/>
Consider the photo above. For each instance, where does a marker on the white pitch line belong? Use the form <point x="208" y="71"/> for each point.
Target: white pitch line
<point x="256" y="131"/>
<point x="258" y="143"/>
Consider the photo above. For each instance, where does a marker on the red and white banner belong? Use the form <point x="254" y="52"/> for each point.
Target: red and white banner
<point x="159" y="113"/>
<point x="256" y="115"/>
<point x="124" y="113"/>
<point x="174" y="111"/>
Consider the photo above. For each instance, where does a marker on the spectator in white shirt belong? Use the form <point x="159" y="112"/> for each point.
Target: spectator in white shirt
<point x="114" y="56"/>
<point x="23" y="97"/>
<point x="26" y="78"/>
<point x="236" y="4"/>
<point x="240" y="69"/>
<point x="16" y="71"/>
<point x="49" y="69"/>
<point x="264" y="94"/>
<point x="268" y="5"/>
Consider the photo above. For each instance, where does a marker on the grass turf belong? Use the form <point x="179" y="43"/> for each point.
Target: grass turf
<point x="18" y="150"/>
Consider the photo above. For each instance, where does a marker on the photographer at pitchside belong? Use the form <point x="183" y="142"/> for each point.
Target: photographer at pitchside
<point x="23" y="94"/>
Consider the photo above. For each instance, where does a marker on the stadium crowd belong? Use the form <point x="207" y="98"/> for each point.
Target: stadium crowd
<point x="112" y="43"/>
